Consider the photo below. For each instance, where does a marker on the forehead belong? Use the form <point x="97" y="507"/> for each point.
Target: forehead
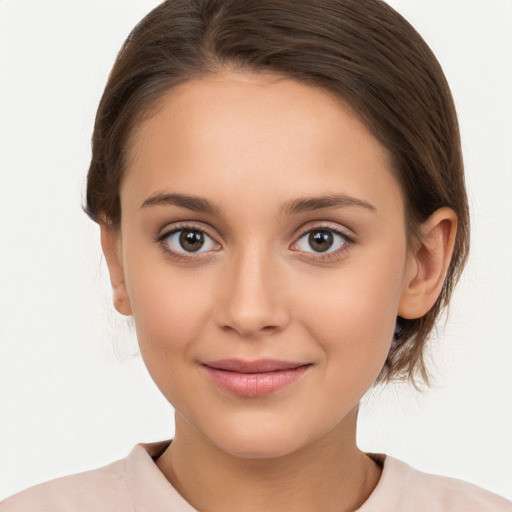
<point x="254" y="136"/>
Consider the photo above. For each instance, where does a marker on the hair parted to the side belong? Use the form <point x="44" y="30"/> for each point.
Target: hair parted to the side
<point x="361" y="50"/>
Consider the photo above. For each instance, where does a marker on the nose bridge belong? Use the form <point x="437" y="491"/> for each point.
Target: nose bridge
<point x="252" y="298"/>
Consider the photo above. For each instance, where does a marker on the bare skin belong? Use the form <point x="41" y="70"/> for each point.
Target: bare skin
<point x="273" y="484"/>
<point x="251" y="167"/>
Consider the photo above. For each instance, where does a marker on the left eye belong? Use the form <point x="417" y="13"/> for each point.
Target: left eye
<point x="321" y="241"/>
<point x="189" y="240"/>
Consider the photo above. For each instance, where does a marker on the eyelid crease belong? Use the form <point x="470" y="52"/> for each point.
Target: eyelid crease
<point x="348" y="238"/>
<point x="299" y="233"/>
<point x="325" y="226"/>
<point x="182" y="225"/>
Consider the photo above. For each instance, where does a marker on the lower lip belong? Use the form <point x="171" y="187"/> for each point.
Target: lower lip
<point x="254" y="385"/>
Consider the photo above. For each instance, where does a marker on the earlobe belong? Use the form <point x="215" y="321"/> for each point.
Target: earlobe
<point x="428" y="264"/>
<point x="110" y="243"/>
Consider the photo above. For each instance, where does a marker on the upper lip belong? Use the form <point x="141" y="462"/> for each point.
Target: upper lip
<point x="257" y="366"/>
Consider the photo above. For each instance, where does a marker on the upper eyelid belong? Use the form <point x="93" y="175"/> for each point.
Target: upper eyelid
<point x="349" y="240"/>
<point x="327" y="226"/>
<point x="297" y="234"/>
<point x="182" y="225"/>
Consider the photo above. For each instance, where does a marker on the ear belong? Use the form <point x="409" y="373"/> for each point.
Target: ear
<point x="111" y="245"/>
<point x="428" y="263"/>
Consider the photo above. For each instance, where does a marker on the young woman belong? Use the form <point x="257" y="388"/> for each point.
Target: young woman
<point x="280" y="193"/>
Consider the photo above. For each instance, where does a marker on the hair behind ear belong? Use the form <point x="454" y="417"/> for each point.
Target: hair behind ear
<point x="421" y="296"/>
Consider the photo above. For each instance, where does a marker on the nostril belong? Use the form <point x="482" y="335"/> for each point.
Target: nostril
<point x="246" y="331"/>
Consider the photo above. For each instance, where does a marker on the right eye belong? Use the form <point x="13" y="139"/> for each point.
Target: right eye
<point x="322" y="241"/>
<point x="187" y="241"/>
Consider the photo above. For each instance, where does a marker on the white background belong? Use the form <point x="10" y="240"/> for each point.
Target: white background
<point x="73" y="395"/>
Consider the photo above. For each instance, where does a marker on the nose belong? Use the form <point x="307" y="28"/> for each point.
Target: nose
<point x="251" y="301"/>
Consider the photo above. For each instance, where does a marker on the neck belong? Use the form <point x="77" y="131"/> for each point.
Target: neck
<point x="329" y="474"/>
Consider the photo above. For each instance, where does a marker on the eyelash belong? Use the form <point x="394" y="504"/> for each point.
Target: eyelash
<point x="178" y="256"/>
<point x="328" y="256"/>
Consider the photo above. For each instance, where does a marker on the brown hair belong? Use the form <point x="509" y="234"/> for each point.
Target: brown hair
<point x="361" y="50"/>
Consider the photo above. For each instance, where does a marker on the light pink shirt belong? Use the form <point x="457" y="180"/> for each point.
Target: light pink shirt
<point x="135" y="484"/>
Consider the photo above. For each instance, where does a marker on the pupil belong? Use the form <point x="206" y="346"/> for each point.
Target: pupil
<point x="320" y="240"/>
<point x="191" y="240"/>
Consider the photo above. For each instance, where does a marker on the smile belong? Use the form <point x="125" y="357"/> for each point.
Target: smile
<point x="253" y="379"/>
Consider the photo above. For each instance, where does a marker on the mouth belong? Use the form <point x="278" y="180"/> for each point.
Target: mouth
<point x="253" y="379"/>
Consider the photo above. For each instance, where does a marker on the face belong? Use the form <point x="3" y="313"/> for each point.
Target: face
<point x="263" y="253"/>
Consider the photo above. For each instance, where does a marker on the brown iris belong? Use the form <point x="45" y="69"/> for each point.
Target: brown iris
<point x="320" y="241"/>
<point x="191" y="241"/>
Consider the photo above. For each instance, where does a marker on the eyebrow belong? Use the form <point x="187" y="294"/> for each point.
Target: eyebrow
<point x="299" y="205"/>
<point x="190" y="202"/>
<point x="305" y="204"/>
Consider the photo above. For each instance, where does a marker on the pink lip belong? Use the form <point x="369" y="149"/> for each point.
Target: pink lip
<point x="254" y="378"/>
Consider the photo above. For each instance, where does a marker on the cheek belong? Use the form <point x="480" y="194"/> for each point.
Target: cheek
<point x="352" y="316"/>
<point x="170" y="311"/>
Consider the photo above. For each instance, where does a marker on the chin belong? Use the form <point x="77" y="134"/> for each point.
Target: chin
<point x="269" y="447"/>
<point x="260" y="440"/>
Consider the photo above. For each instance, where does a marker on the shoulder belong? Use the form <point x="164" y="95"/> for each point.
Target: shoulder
<point x="406" y="488"/>
<point x="100" y="489"/>
<point x="124" y="486"/>
<point x="444" y="493"/>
